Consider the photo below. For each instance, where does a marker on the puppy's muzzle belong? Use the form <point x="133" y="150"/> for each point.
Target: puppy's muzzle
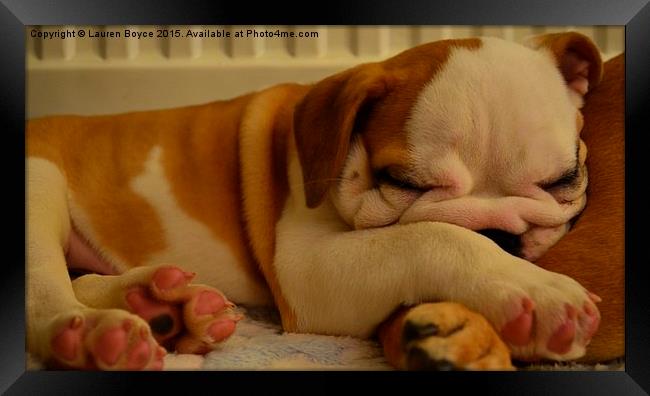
<point x="511" y="243"/>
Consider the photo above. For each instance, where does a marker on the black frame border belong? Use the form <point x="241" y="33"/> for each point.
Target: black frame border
<point x="634" y="14"/>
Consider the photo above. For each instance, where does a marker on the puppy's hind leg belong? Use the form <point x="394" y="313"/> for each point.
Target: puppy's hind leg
<point x="189" y="318"/>
<point x="60" y="330"/>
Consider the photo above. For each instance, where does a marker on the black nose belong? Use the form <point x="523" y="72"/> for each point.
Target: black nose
<point x="509" y="242"/>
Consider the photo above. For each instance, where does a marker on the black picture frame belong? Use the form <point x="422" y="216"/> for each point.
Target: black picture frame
<point x="16" y="14"/>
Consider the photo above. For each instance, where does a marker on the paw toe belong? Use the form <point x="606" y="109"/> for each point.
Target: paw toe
<point x="562" y="339"/>
<point x="167" y="278"/>
<point x="208" y="302"/>
<point x="67" y="343"/>
<point x="209" y="316"/>
<point x="110" y="345"/>
<point x="139" y="355"/>
<point x="518" y="331"/>
<point x="590" y="321"/>
<point x="221" y="329"/>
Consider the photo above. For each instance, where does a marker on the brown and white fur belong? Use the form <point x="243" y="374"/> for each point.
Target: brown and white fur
<point x="592" y="253"/>
<point x="338" y="202"/>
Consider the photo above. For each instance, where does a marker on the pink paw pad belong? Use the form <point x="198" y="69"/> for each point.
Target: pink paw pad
<point x="171" y="277"/>
<point x="590" y="321"/>
<point x="139" y="355"/>
<point x="110" y="345"/>
<point x="560" y="342"/>
<point x="208" y="302"/>
<point x="518" y="331"/>
<point x="221" y="330"/>
<point x="67" y="343"/>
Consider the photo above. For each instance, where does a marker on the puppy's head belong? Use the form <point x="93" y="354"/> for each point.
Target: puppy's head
<point x="481" y="133"/>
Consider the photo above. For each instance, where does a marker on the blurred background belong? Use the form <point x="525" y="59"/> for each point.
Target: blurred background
<point x="101" y="75"/>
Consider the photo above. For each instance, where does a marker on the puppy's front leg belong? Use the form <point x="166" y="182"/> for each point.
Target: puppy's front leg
<point x="347" y="282"/>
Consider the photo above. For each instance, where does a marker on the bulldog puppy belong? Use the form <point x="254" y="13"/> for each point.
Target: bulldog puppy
<point x="338" y="202"/>
<point x="592" y="253"/>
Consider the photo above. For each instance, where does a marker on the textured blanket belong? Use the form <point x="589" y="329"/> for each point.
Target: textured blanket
<point x="259" y="344"/>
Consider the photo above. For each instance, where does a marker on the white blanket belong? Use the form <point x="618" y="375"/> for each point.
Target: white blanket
<point x="259" y="344"/>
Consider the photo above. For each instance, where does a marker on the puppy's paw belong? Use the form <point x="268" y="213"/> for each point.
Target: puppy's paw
<point x="443" y="337"/>
<point x="102" y="339"/>
<point x="541" y="314"/>
<point x="203" y="314"/>
<point x="185" y="317"/>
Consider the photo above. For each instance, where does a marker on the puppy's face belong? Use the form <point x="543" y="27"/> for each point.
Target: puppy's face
<point x="481" y="133"/>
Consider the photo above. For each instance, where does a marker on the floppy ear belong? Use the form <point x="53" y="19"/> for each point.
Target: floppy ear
<point x="576" y="56"/>
<point x="325" y="120"/>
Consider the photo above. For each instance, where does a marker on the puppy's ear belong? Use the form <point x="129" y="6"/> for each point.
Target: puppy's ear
<point x="325" y="120"/>
<point x="576" y="56"/>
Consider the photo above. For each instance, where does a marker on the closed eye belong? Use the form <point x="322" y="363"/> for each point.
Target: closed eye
<point x="567" y="179"/>
<point x="398" y="180"/>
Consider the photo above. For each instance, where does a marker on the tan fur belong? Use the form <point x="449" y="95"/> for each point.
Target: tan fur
<point x="101" y="155"/>
<point x="561" y="43"/>
<point x="327" y="118"/>
<point x="63" y="140"/>
<point x="464" y="338"/>
<point x="264" y="144"/>
<point x="385" y="132"/>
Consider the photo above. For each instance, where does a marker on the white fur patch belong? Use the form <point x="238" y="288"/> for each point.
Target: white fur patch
<point x="485" y="112"/>
<point x="190" y="244"/>
<point x="485" y="132"/>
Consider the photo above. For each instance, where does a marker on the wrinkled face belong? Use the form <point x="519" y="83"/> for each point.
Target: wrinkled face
<point x="490" y="142"/>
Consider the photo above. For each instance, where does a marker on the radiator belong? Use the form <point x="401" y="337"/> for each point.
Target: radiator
<point x="101" y="75"/>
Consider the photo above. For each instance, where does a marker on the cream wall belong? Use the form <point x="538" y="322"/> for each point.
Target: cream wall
<point x="108" y="75"/>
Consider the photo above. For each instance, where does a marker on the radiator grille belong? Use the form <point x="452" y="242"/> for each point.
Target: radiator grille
<point x="105" y="75"/>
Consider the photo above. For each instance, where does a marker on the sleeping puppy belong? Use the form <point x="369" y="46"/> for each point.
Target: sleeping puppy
<point x="338" y="202"/>
<point x="592" y="253"/>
